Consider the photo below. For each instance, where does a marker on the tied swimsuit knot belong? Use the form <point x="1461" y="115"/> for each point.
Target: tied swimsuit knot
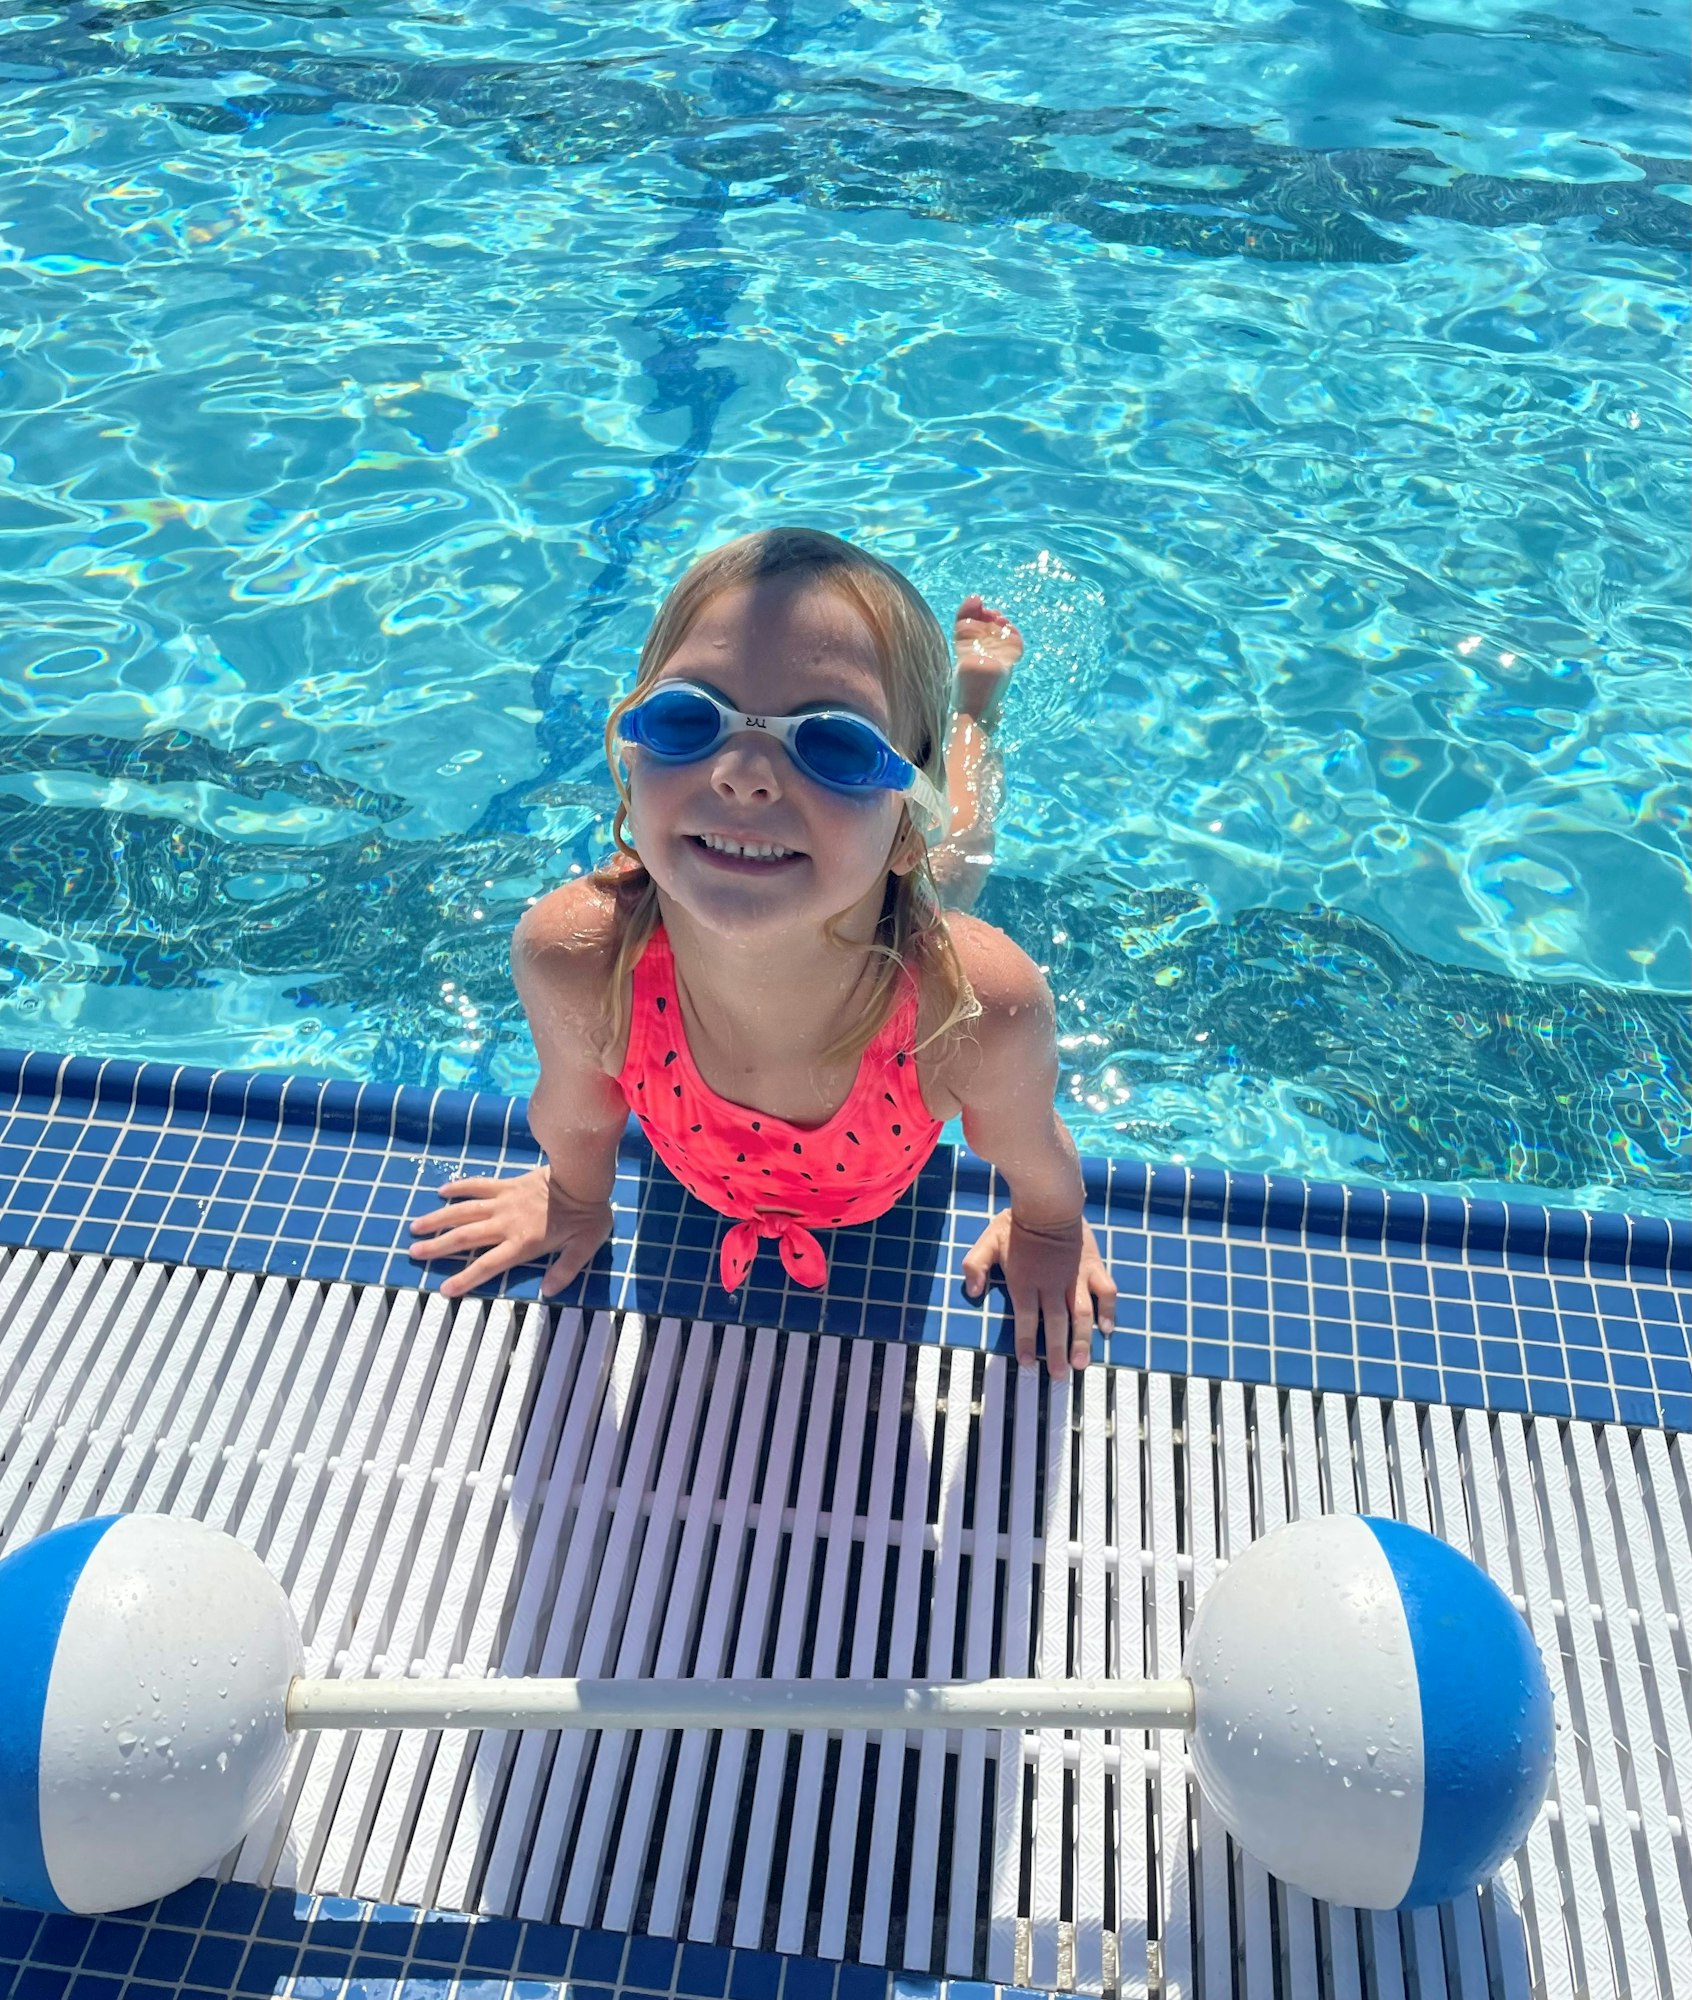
<point x="801" y="1254"/>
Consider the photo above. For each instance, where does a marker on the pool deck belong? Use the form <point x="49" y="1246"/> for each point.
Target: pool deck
<point x="206" y="1306"/>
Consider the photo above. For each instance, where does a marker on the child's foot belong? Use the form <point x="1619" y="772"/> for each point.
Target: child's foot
<point x="988" y="647"/>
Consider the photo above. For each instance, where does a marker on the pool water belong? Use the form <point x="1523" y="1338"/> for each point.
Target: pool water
<point x="1308" y="381"/>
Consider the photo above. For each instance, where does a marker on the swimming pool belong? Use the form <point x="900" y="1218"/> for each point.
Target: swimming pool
<point x="1307" y="380"/>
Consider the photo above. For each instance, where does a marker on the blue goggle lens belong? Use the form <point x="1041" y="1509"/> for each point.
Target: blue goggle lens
<point x="837" y="749"/>
<point x="677" y="724"/>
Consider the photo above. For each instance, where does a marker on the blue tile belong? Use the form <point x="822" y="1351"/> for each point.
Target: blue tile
<point x="95" y="1986"/>
<point x="164" y="1954"/>
<point x="703" y="1971"/>
<point x="61" y="1940"/>
<point x="755" y="1977"/>
<point x="808" y="1979"/>
<point x="215" y="1962"/>
<point x="17" y="1931"/>
<point x="112" y="1946"/>
<point x="266" y="1968"/>
<point x="599" y="1955"/>
<point x="40" y="1982"/>
<point x="651" y="1964"/>
<point x="495" y="1942"/>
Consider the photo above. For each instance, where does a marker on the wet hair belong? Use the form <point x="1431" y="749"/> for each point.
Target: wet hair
<point x="916" y="671"/>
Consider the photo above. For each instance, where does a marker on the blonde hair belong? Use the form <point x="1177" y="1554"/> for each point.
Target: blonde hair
<point x="916" y="668"/>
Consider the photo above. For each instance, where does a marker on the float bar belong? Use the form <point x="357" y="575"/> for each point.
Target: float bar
<point x="739" y="1704"/>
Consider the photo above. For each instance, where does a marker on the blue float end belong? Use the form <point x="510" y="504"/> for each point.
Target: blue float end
<point x="36" y="1583"/>
<point x="1486" y="1713"/>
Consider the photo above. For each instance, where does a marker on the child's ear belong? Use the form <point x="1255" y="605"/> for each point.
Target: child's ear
<point x="907" y="846"/>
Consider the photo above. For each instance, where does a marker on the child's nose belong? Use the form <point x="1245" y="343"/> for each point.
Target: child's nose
<point x="747" y="766"/>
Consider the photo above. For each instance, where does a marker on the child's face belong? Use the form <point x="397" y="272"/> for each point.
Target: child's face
<point x="770" y="648"/>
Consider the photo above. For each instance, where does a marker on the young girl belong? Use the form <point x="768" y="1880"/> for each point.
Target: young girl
<point x="765" y="972"/>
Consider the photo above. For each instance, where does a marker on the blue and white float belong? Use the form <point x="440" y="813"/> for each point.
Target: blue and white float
<point x="1368" y="1712"/>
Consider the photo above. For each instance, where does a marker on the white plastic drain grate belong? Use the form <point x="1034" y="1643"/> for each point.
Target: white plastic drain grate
<point x="493" y="1488"/>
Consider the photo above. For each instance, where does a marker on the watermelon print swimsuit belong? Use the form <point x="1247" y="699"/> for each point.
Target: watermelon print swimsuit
<point x="773" y="1177"/>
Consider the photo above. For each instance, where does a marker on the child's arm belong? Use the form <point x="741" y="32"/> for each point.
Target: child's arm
<point x="1052" y="1265"/>
<point x="576" y="1112"/>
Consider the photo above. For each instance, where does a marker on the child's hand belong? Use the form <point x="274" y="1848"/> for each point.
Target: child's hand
<point x="1055" y="1275"/>
<point x="512" y="1222"/>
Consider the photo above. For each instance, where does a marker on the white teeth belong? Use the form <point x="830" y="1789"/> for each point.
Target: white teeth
<point x="756" y="852"/>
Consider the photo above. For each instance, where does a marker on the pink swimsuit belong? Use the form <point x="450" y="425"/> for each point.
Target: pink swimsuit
<point x="754" y="1166"/>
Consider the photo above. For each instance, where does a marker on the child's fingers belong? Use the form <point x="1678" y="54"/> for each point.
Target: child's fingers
<point x="461" y="1241"/>
<point x="476" y="1274"/>
<point x="1080" y="1326"/>
<point x="1104" y="1299"/>
<point x="1027" y="1329"/>
<point x="446" y="1218"/>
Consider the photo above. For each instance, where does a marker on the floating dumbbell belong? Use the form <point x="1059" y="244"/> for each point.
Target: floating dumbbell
<point x="1368" y="1713"/>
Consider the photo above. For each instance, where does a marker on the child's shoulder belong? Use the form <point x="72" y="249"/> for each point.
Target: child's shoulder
<point x="562" y="954"/>
<point x="1016" y="1021"/>
<point x="1004" y="978"/>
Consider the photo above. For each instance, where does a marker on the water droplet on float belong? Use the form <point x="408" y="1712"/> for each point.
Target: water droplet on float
<point x="223" y="1694"/>
<point x="1371" y="1751"/>
<point x="161" y="1743"/>
<point x="115" y="1797"/>
<point x="126" y="1741"/>
<point x="223" y="1760"/>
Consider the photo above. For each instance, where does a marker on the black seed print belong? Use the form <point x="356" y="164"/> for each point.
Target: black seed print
<point x="890" y="1097"/>
<point x="695" y="1128"/>
<point x="670" y="1058"/>
<point x="640" y="1086"/>
<point x="900" y="1059"/>
<point x="757" y="1125"/>
<point x="677" y="1089"/>
<point x="840" y="1167"/>
<point x="740" y="1156"/>
<point x="853" y="1137"/>
<point x="804" y="1177"/>
<point x="897" y="1129"/>
<point x="764" y="1170"/>
<point x="797" y="1147"/>
<point x="662" y="1003"/>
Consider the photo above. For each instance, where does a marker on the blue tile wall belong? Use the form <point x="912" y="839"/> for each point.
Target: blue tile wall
<point x="237" y="1942"/>
<point x="1266" y="1279"/>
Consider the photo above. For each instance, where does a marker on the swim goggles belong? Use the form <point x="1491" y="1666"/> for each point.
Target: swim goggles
<point x="680" y="722"/>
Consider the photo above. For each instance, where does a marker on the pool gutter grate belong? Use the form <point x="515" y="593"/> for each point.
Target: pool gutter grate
<point x="492" y="1487"/>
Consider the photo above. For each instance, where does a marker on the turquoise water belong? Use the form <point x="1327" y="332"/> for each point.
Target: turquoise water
<point x="1308" y="380"/>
